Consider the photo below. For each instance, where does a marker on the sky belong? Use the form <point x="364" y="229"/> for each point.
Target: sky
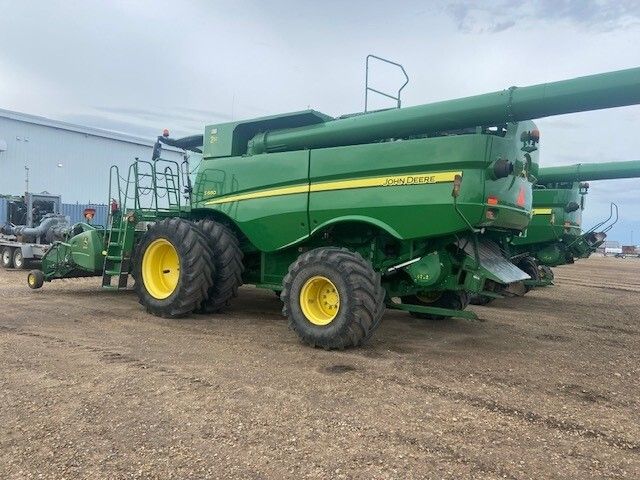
<point x="141" y="66"/>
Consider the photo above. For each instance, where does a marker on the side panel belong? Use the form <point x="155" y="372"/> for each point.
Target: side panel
<point x="406" y="185"/>
<point x="265" y="195"/>
<point x="550" y="221"/>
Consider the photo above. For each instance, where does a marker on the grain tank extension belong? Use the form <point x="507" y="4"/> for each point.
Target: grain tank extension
<point x="407" y="209"/>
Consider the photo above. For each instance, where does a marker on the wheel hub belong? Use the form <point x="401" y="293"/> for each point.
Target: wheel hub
<point x="319" y="300"/>
<point x="160" y="268"/>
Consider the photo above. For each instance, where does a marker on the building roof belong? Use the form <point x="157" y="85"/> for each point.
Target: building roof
<point x="96" y="132"/>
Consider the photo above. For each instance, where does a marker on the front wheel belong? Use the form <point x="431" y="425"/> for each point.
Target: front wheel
<point x="333" y="298"/>
<point x="35" y="279"/>
<point x="174" y="268"/>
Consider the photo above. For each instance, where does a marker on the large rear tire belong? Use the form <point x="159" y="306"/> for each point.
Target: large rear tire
<point x="227" y="258"/>
<point x="174" y="268"/>
<point x="7" y="257"/>
<point x="451" y="299"/>
<point x="333" y="298"/>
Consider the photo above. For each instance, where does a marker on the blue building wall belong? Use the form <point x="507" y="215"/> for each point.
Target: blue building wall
<point x="76" y="213"/>
<point x="64" y="159"/>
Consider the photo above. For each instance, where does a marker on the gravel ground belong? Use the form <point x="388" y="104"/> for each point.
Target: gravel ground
<point x="544" y="386"/>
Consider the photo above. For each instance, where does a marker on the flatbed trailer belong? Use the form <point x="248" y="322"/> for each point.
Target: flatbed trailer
<point x="18" y="255"/>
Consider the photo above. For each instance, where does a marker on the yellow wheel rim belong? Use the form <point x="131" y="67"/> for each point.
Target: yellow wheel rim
<point x="160" y="268"/>
<point x="31" y="279"/>
<point x="319" y="300"/>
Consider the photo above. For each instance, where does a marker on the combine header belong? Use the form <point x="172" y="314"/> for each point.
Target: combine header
<point x="407" y="208"/>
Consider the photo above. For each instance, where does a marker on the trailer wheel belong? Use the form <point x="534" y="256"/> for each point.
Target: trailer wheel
<point x="7" y="257"/>
<point x="227" y="258"/>
<point x="451" y="299"/>
<point x="333" y="298"/>
<point x="35" y="279"/>
<point x="174" y="268"/>
<point x="18" y="259"/>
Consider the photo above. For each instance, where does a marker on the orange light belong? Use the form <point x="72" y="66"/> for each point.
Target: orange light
<point x="520" y="201"/>
<point x="535" y="135"/>
<point x="165" y="132"/>
<point x="492" y="200"/>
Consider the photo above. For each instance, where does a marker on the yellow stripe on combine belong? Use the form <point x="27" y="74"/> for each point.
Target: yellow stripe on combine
<point x="542" y="211"/>
<point x="262" y="194"/>
<point x="391" y="181"/>
<point x="387" y="181"/>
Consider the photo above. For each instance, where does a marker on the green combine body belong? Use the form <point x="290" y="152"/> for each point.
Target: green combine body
<point x="408" y="208"/>
<point x="555" y="235"/>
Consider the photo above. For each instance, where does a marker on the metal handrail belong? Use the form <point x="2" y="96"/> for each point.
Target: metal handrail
<point x="367" y="88"/>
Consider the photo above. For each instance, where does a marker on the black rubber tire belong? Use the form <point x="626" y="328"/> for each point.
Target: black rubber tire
<point x="546" y="272"/>
<point x="19" y="262"/>
<point x="452" y="299"/>
<point x="529" y="265"/>
<point x="361" y="298"/>
<point x="38" y="279"/>
<point x="227" y="258"/>
<point x="196" y="268"/>
<point x="475" y="299"/>
<point x="6" y="260"/>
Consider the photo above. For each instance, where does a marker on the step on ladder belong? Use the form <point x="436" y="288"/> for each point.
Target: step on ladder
<point x="117" y="261"/>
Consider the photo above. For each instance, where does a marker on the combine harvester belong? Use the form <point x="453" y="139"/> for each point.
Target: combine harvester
<point x="406" y="208"/>
<point x="555" y="235"/>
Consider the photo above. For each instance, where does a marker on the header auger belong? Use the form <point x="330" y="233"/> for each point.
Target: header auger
<point x="408" y="208"/>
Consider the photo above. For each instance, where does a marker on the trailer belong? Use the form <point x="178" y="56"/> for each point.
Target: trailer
<point x="16" y="254"/>
<point x="32" y="222"/>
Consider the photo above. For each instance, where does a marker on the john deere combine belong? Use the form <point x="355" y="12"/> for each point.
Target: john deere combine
<point x="555" y="235"/>
<point x="406" y="208"/>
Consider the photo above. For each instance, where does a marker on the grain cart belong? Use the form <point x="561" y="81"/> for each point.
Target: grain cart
<point x="555" y="235"/>
<point x="405" y="208"/>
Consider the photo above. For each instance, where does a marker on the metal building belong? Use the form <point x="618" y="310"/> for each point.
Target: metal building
<point x="38" y="154"/>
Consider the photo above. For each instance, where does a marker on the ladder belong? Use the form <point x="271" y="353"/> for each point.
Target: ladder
<point x="156" y="193"/>
<point x="117" y="260"/>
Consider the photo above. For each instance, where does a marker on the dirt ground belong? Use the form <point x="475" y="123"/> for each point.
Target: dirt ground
<point x="544" y="386"/>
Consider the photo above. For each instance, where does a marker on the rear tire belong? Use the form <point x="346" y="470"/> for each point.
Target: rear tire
<point x="476" y="299"/>
<point x="174" y="268"/>
<point x="227" y="259"/>
<point x="333" y="298"/>
<point x="451" y="299"/>
<point x="7" y="257"/>
<point x="546" y="273"/>
<point x="529" y="265"/>
<point x="19" y="263"/>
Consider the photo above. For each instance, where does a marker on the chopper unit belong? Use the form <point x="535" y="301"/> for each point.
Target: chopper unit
<point x="406" y="208"/>
<point x="555" y="236"/>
